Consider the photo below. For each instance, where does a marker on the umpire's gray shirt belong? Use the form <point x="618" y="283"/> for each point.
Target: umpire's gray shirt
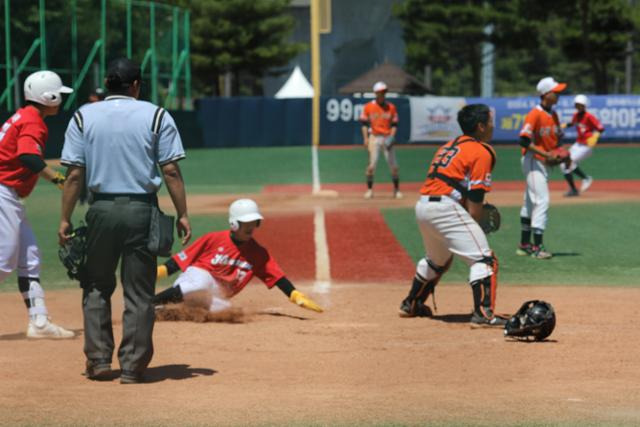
<point x="114" y="140"/>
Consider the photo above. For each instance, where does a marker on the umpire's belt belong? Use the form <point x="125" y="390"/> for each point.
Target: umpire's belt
<point x="151" y="198"/>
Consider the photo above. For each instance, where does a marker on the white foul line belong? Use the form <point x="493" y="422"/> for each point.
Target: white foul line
<point x="323" y="270"/>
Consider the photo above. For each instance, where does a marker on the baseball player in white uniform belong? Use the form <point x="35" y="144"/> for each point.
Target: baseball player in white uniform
<point x="22" y="141"/>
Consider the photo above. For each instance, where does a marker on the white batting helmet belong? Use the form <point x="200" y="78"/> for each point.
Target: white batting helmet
<point x="45" y="87"/>
<point x="581" y="99"/>
<point x="243" y="210"/>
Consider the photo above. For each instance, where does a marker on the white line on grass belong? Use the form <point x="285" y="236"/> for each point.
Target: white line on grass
<point x="323" y="270"/>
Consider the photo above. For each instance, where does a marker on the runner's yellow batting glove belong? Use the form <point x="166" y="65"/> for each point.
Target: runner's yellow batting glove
<point x="162" y="271"/>
<point x="58" y="180"/>
<point x="593" y="139"/>
<point x="302" y="300"/>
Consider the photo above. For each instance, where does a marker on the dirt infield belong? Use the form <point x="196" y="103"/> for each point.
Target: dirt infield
<point x="357" y="363"/>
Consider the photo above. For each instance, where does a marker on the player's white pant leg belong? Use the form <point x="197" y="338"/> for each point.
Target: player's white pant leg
<point x="194" y="279"/>
<point x="536" y="197"/>
<point x="390" y="157"/>
<point x="11" y="215"/>
<point x="219" y="300"/>
<point x="28" y="253"/>
<point x="447" y="228"/>
<point x="578" y="153"/>
<point x="375" y="145"/>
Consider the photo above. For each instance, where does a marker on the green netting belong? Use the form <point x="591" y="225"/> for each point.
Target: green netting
<point x="74" y="31"/>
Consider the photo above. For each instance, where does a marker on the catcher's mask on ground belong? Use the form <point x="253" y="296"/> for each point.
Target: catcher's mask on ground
<point x="535" y="320"/>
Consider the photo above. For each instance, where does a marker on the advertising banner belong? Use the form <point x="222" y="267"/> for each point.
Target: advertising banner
<point x="434" y="118"/>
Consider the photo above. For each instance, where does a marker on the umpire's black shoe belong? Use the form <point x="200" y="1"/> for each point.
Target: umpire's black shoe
<point x="480" y="321"/>
<point x="130" y="377"/>
<point x="410" y="308"/>
<point x="98" y="370"/>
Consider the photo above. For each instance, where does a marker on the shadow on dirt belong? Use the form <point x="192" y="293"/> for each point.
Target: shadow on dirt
<point x="175" y="372"/>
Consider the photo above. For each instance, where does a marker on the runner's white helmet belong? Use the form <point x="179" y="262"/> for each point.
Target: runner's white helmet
<point x="243" y="210"/>
<point x="45" y="87"/>
<point x="581" y="99"/>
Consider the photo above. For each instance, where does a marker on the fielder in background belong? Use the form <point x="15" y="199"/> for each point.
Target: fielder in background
<point x="379" y="121"/>
<point x="223" y="263"/>
<point x="448" y="212"/>
<point x="539" y="136"/>
<point x="22" y="143"/>
<point x="589" y="129"/>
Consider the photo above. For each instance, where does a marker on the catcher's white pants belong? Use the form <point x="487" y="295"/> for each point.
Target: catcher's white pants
<point x="18" y="248"/>
<point x="196" y="279"/>
<point x="536" y="194"/>
<point x="447" y="228"/>
<point x="376" y="144"/>
<point x="578" y="153"/>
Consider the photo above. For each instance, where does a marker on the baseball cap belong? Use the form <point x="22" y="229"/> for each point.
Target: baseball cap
<point x="379" y="87"/>
<point x="581" y="99"/>
<point x="122" y="72"/>
<point x="548" y="84"/>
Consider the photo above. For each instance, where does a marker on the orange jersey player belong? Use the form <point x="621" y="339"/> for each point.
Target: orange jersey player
<point x="224" y="262"/>
<point x="540" y="134"/>
<point x="448" y="212"/>
<point x="589" y="129"/>
<point x="379" y="121"/>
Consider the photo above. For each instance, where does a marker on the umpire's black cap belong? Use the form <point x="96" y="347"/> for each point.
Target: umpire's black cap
<point x="121" y="73"/>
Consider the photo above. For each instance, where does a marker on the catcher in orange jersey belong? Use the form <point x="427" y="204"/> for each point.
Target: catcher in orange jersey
<point x="589" y="129"/>
<point x="448" y="212"/>
<point x="224" y="262"/>
<point x="379" y="121"/>
<point x="539" y="136"/>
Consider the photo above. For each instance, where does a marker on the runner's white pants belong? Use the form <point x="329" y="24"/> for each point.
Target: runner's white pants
<point x="536" y="194"/>
<point x="196" y="279"/>
<point x="578" y="153"/>
<point x="376" y="145"/>
<point x="447" y="228"/>
<point x="18" y="248"/>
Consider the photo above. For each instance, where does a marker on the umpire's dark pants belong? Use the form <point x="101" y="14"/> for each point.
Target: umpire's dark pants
<point x="119" y="228"/>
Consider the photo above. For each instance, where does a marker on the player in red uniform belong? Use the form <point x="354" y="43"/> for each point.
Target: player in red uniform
<point x="223" y="263"/>
<point x="22" y="141"/>
<point x="589" y="130"/>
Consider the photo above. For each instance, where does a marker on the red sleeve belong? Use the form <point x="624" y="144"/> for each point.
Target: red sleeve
<point x="596" y="123"/>
<point x="187" y="256"/>
<point x="269" y="271"/>
<point x="31" y="139"/>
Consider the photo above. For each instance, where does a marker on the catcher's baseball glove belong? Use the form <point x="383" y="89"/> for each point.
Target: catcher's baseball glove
<point x="74" y="254"/>
<point x="561" y="156"/>
<point x="490" y="220"/>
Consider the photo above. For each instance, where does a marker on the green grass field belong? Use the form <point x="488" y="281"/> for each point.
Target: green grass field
<point x="595" y="244"/>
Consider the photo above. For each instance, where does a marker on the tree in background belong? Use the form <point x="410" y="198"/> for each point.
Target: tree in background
<point x="583" y="42"/>
<point x="246" y="38"/>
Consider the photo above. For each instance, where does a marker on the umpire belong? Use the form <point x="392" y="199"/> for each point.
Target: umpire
<point x="116" y="145"/>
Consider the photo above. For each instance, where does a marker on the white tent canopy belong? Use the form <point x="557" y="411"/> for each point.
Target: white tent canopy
<point x="297" y="86"/>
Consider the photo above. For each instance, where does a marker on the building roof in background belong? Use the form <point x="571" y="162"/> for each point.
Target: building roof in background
<point x="296" y="86"/>
<point x="397" y="80"/>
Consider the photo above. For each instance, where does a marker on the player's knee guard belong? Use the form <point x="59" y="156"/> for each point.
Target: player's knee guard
<point x="424" y="282"/>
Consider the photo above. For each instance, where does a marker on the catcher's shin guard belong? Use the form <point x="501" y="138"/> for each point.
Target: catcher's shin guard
<point x="483" y="297"/>
<point x="169" y="295"/>
<point x="421" y="288"/>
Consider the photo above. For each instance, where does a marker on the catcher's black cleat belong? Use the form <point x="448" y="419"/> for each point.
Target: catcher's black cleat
<point x="414" y="309"/>
<point x="480" y="321"/>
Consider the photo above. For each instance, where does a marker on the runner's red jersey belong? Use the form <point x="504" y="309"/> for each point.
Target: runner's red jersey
<point x="233" y="266"/>
<point x="585" y="125"/>
<point x="23" y="133"/>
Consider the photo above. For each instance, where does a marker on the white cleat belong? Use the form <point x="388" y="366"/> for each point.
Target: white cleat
<point x="397" y="195"/>
<point x="48" y="330"/>
<point x="368" y="194"/>
<point x="586" y="183"/>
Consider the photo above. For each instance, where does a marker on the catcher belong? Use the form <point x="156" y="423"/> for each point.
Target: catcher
<point x="589" y="130"/>
<point x="223" y="263"/>
<point x="449" y="213"/>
